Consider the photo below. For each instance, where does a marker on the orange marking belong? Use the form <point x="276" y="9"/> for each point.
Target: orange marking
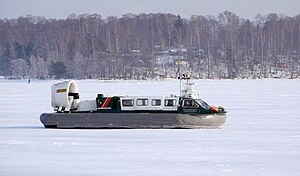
<point x="61" y="90"/>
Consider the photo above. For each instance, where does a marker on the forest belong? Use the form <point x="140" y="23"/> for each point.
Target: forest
<point x="150" y="46"/>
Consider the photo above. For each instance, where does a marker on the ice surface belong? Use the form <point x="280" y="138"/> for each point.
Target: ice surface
<point x="261" y="135"/>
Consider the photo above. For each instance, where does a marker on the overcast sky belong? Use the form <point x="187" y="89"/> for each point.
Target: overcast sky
<point x="186" y="8"/>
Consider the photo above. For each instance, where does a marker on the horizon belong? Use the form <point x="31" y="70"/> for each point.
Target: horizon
<point x="55" y="9"/>
<point x="120" y="16"/>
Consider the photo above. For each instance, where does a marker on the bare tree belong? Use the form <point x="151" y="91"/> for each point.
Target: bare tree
<point x="19" y="68"/>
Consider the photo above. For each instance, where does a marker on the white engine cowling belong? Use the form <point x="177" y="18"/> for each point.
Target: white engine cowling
<point x="65" y="96"/>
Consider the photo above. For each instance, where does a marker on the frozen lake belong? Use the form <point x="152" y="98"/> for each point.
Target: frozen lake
<point x="260" y="137"/>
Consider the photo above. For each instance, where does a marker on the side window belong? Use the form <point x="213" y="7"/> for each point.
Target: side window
<point x="142" y="102"/>
<point x="170" y="102"/>
<point x="156" y="102"/>
<point x="127" y="102"/>
<point x="189" y="104"/>
<point x="186" y="103"/>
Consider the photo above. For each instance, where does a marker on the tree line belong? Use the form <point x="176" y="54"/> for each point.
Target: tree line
<point x="150" y="46"/>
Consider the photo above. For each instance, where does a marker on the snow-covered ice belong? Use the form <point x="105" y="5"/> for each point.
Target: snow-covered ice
<point x="260" y="137"/>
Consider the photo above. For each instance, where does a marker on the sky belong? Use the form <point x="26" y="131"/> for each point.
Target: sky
<point x="61" y="9"/>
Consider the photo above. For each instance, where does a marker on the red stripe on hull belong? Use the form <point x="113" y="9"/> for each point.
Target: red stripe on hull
<point x="106" y="102"/>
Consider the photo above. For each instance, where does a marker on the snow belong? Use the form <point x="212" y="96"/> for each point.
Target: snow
<point x="260" y="137"/>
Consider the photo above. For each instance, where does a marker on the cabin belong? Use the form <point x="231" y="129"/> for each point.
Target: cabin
<point x="151" y="104"/>
<point x="133" y="103"/>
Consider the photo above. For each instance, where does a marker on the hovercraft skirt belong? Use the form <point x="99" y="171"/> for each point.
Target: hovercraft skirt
<point x="132" y="120"/>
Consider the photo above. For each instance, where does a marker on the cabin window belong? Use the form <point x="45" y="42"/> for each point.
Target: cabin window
<point x="156" y="102"/>
<point x="127" y="102"/>
<point x="189" y="104"/>
<point x="142" y="102"/>
<point x="170" y="102"/>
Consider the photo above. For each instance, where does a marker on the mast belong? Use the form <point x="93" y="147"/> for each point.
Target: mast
<point x="183" y="77"/>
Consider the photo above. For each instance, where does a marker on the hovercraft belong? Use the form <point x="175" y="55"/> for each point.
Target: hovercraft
<point x="184" y="111"/>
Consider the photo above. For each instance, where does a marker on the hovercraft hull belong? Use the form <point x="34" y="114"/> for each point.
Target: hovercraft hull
<point x="132" y="120"/>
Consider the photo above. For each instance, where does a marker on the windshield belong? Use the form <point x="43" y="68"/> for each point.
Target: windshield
<point x="202" y="104"/>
